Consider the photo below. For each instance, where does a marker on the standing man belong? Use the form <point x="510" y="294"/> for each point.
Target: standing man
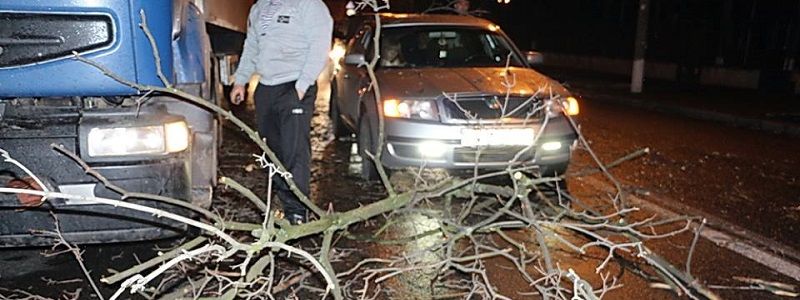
<point x="287" y="44"/>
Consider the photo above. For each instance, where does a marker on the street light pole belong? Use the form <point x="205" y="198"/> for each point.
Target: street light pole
<point x="640" y="46"/>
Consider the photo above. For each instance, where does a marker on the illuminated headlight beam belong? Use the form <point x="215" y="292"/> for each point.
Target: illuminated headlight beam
<point x="432" y="149"/>
<point x="551" y="146"/>
<point x="145" y="140"/>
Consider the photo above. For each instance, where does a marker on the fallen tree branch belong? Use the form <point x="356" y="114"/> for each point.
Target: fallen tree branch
<point x="628" y="157"/>
<point x="154" y="261"/>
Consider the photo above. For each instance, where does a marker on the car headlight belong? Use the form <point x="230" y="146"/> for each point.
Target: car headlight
<point x="337" y="51"/>
<point x="147" y="140"/>
<point x="571" y="106"/>
<point x="568" y="105"/>
<point x="410" y="109"/>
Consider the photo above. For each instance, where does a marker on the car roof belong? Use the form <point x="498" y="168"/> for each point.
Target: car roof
<point x="403" y="19"/>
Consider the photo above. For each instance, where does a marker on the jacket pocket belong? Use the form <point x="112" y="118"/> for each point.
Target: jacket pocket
<point x="293" y="46"/>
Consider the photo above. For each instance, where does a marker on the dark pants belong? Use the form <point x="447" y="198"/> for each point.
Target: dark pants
<point x="285" y="122"/>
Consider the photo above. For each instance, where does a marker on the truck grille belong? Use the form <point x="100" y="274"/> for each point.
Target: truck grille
<point x="27" y="38"/>
<point x="488" y="107"/>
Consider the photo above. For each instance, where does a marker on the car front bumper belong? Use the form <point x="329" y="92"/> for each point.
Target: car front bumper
<point x="408" y="141"/>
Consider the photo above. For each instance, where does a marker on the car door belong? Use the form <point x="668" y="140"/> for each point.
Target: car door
<point x="353" y="78"/>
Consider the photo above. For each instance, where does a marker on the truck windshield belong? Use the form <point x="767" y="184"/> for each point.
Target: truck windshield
<point x="439" y="46"/>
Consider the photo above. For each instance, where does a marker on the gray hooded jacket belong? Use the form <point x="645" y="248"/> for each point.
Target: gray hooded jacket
<point x="286" y="40"/>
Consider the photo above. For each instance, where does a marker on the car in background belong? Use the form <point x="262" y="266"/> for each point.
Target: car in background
<point x="456" y="94"/>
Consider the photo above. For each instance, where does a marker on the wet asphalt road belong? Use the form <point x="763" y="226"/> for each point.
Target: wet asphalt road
<point x="748" y="178"/>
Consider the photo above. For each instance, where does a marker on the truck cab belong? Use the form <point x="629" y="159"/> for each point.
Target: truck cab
<point x="141" y="141"/>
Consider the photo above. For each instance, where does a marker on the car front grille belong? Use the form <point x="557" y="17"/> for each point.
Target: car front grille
<point x="492" y="154"/>
<point x="27" y="38"/>
<point x="489" y="107"/>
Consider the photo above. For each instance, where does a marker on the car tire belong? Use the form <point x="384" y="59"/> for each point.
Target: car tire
<point x="366" y="141"/>
<point x="338" y="127"/>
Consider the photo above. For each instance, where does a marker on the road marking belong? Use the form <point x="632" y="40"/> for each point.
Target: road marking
<point x="744" y="244"/>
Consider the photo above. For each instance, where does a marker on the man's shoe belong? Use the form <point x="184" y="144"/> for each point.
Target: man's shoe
<point x="296" y="219"/>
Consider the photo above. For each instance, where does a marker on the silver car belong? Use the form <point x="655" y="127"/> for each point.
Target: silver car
<point x="456" y="93"/>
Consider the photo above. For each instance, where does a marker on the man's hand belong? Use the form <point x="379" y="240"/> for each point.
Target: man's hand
<point x="300" y="94"/>
<point x="237" y="94"/>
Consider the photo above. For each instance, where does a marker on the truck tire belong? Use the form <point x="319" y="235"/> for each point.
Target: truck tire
<point x="366" y="142"/>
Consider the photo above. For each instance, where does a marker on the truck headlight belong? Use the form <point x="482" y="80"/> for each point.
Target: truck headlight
<point x="410" y="109"/>
<point x="147" y="140"/>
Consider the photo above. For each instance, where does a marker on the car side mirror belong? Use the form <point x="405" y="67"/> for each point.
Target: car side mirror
<point x="355" y="59"/>
<point x="534" y="58"/>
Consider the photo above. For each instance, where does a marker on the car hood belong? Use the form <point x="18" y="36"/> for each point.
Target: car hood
<point x="432" y="82"/>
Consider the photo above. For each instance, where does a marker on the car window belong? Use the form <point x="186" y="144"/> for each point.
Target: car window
<point x="439" y="46"/>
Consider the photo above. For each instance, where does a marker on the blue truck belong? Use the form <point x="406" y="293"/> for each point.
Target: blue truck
<point x="142" y="142"/>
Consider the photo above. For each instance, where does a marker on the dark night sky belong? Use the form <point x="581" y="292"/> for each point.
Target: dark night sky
<point x="730" y="33"/>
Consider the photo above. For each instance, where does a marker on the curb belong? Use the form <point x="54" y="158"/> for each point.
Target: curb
<point x="705" y="115"/>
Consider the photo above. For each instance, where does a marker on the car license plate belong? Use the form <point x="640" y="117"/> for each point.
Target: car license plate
<point x="496" y="137"/>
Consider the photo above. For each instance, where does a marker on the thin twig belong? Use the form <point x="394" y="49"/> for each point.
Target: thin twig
<point x="76" y="252"/>
<point x="694" y="243"/>
<point x="154" y="48"/>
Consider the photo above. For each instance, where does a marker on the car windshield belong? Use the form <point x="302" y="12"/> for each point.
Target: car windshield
<point x="437" y="46"/>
